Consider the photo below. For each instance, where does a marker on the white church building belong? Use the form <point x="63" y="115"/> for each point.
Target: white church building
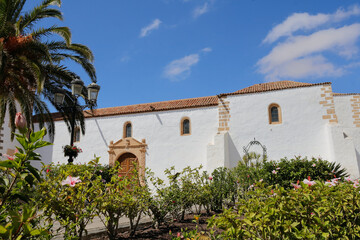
<point x="289" y="118"/>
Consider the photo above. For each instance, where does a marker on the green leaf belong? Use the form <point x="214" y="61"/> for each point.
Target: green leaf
<point x="2" y="229"/>
<point x="34" y="171"/>
<point x="8" y="163"/>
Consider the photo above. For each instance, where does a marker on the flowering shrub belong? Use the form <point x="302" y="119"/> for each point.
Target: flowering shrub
<point x="69" y="199"/>
<point x="19" y="216"/>
<point x="310" y="211"/>
<point x="121" y="196"/>
<point x="222" y="188"/>
<point x="285" y="172"/>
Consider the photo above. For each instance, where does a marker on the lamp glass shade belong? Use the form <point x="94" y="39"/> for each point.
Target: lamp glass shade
<point x="76" y="86"/>
<point x="59" y="98"/>
<point x="92" y="94"/>
<point x="93" y="91"/>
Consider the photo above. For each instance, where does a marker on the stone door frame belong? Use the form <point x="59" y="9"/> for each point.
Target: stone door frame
<point x="128" y="145"/>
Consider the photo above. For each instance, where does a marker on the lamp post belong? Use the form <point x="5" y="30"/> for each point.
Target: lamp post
<point x="77" y="86"/>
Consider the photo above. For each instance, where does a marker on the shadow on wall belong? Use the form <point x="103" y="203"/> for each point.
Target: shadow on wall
<point x="101" y="133"/>
<point x="46" y="157"/>
<point x="234" y="155"/>
<point x="358" y="159"/>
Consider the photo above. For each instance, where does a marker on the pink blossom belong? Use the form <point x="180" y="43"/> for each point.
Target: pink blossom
<point x="251" y="186"/>
<point x="210" y="178"/>
<point x="308" y="182"/>
<point x="9" y="157"/>
<point x="47" y="170"/>
<point x="330" y="184"/>
<point x="335" y="180"/>
<point x="296" y="186"/>
<point x="71" y="181"/>
<point x="178" y="235"/>
<point x="277" y="168"/>
<point x="261" y="180"/>
<point x="20" y="122"/>
<point x="312" y="213"/>
<point x="314" y="165"/>
<point x="348" y="179"/>
<point x="274" y="172"/>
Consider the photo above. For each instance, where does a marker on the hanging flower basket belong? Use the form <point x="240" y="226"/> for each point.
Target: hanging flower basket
<point x="71" y="151"/>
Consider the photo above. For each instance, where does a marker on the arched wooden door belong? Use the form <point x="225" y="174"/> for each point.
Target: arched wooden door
<point x="127" y="161"/>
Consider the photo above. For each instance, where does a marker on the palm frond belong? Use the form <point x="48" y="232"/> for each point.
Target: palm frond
<point x="64" y="32"/>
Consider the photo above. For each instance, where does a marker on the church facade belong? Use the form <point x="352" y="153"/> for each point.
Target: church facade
<point x="289" y="118"/>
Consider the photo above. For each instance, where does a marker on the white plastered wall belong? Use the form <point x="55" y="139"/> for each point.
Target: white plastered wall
<point x="302" y="131"/>
<point x="347" y="136"/>
<point x="161" y="130"/>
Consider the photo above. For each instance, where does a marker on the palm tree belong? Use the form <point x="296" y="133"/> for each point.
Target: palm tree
<point x="32" y="63"/>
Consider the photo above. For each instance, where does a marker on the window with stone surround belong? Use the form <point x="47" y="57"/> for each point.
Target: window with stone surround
<point x="274" y="114"/>
<point x="127" y="130"/>
<point x="185" y="127"/>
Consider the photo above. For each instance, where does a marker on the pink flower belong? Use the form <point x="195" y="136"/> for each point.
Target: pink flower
<point x="71" y="181"/>
<point x="9" y="157"/>
<point x="20" y="122"/>
<point x="277" y="168"/>
<point x="178" y="235"/>
<point x="296" y="186"/>
<point x="312" y="213"/>
<point x="261" y="180"/>
<point x="210" y="178"/>
<point x="348" y="179"/>
<point x="330" y="184"/>
<point x="251" y="186"/>
<point x="274" y="172"/>
<point x="308" y="182"/>
<point x="314" y="165"/>
<point x="47" y="170"/>
<point x="335" y="180"/>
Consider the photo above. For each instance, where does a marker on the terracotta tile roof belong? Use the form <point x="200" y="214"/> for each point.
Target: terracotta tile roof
<point x="344" y="94"/>
<point x="274" y="86"/>
<point x="191" y="102"/>
<point x="149" y="107"/>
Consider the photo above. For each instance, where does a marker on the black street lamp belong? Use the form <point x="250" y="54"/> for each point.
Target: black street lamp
<point x="76" y="90"/>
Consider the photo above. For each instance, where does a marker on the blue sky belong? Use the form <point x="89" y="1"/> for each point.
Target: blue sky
<point x="156" y="50"/>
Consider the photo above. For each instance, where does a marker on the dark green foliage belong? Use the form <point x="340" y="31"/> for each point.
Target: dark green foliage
<point x="223" y="187"/>
<point x="289" y="171"/>
<point x="310" y="212"/>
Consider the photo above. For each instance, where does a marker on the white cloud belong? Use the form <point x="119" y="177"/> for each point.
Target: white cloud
<point x="207" y="49"/>
<point x="300" y="56"/>
<point x="180" y="68"/>
<point x="200" y="10"/>
<point x="305" y="21"/>
<point x="145" y="31"/>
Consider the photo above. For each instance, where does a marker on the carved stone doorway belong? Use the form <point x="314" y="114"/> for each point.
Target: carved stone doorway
<point x="126" y="150"/>
<point x="127" y="161"/>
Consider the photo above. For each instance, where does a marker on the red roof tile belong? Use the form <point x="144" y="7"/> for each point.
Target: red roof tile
<point x="274" y="86"/>
<point x="191" y="102"/>
<point x="149" y="107"/>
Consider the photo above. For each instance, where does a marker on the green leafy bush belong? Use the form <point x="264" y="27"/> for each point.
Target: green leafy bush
<point x="322" y="211"/>
<point x="67" y="195"/>
<point x="285" y="172"/>
<point x="223" y="188"/>
<point x="19" y="215"/>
